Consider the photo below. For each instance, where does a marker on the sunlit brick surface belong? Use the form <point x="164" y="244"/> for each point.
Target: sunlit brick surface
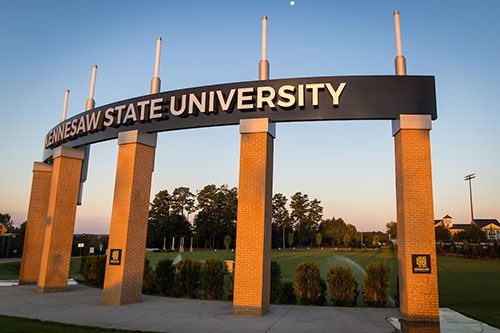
<point x="253" y="237"/>
<point x="59" y="225"/>
<point x="129" y="223"/>
<point x="37" y="212"/>
<point x="415" y="215"/>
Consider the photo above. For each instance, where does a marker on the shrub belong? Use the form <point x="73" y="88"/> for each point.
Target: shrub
<point x="466" y="249"/>
<point x="474" y="252"/>
<point x="165" y="277"/>
<point x="230" y="285"/>
<point x="309" y="287"/>
<point x="93" y="268"/>
<point x="187" y="277"/>
<point x="287" y="295"/>
<point x="212" y="278"/>
<point x="275" y="282"/>
<point x="376" y="284"/>
<point x="396" y="296"/>
<point x="343" y="286"/>
<point x="148" y="279"/>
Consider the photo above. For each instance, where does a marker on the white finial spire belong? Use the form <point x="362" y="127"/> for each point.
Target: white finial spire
<point x="90" y="102"/>
<point x="264" y="64"/>
<point x="155" y="81"/>
<point x="65" y="108"/>
<point x="400" y="61"/>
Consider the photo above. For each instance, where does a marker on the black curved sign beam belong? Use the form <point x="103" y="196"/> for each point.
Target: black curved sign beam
<point x="298" y="99"/>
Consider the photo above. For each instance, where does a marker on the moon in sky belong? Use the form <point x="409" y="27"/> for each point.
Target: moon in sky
<point x="292" y="3"/>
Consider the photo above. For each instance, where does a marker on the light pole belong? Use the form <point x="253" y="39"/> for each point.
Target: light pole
<point x="469" y="178"/>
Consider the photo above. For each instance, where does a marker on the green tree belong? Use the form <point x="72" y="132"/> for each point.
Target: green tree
<point x="182" y="201"/>
<point x="281" y="216"/>
<point x="227" y="241"/>
<point x="347" y="239"/>
<point x="299" y="205"/>
<point x="474" y="233"/>
<point x="392" y="229"/>
<point x="216" y="218"/>
<point x="334" y="230"/>
<point x="291" y="238"/>
<point x="165" y="222"/>
<point x="318" y="239"/>
<point x="442" y="233"/>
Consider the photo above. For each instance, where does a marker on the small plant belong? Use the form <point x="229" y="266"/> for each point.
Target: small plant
<point x="212" y="278"/>
<point x="287" y="295"/>
<point x="376" y="284"/>
<point x="165" y="277"/>
<point x="187" y="277"/>
<point x="343" y="286"/>
<point x="275" y="282"/>
<point x="148" y="279"/>
<point x="309" y="287"/>
<point x="227" y="241"/>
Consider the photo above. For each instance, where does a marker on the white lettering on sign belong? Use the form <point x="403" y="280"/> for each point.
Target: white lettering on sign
<point x="244" y="99"/>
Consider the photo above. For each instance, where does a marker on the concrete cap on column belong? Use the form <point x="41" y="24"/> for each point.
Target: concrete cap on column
<point x="257" y="125"/>
<point x="411" y="121"/>
<point x="44" y="167"/>
<point x="68" y="152"/>
<point x="137" y="136"/>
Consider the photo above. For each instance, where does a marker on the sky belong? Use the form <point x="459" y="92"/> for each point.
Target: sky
<point x="47" y="47"/>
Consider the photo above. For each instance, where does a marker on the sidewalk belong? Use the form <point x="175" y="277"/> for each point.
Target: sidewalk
<point x="4" y="260"/>
<point x="81" y="305"/>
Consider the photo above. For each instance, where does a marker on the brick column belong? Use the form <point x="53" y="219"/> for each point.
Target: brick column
<point x="37" y="213"/>
<point x="253" y="230"/>
<point x="418" y="289"/>
<point x="60" y="222"/>
<point x="129" y="219"/>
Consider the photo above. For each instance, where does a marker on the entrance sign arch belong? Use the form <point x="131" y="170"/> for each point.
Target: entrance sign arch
<point x="256" y="106"/>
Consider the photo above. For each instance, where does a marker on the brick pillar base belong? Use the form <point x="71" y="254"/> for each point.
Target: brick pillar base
<point x="37" y="213"/>
<point x="418" y="289"/>
<point x="129" y="219"/>
<point x="253" y="233"/>
<point x="60" y="222"/>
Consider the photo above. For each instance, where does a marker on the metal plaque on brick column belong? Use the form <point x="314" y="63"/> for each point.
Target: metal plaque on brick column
<point x="421" y="263"/>
<point x="115" y="257"/>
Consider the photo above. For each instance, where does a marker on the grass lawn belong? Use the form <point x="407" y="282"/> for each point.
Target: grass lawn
<point x="17" y="324"/>
<point x="469" y="286"/>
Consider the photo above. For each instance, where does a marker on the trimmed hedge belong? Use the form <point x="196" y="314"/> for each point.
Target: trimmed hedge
<point x="287" y="295"/>
<point x="165" y="277"/>
<point x="275" y="282"/>
<point x="93" y="268"/>
<point x="212" y="278"/>
<point x="376" y="284"/>
<point x="187" y="278"/>
<point x="309" y="287"/>
<point x="343" y="286"/>
<point x="148" y="279"/>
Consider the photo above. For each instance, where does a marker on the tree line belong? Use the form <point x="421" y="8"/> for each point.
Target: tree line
<point x="209" y="217"/>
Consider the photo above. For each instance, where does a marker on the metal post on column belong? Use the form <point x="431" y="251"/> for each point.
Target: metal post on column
<point x="85" y="164"/>
<point x="415" y="214"/>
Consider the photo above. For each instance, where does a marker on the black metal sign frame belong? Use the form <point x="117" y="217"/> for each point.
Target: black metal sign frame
<point x="283" y="100"/>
